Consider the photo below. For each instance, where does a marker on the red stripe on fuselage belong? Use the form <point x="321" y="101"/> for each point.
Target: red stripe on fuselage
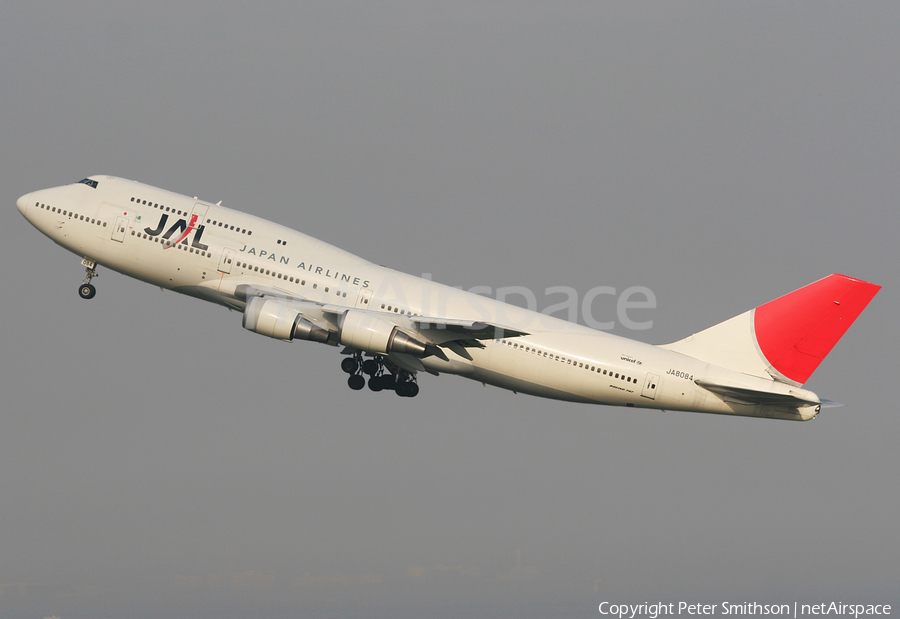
<point x="186" y="232"/>
<point x="796" y="331"/>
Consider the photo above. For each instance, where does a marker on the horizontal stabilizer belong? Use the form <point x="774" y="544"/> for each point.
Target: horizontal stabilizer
<point x="755" y="396"/>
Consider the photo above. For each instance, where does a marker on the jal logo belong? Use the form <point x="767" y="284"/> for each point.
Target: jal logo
<point x="181" y="227"/>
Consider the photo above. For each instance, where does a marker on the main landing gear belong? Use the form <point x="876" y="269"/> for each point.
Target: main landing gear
<point x="380" y="377"/>
<point x="87" y="290"/>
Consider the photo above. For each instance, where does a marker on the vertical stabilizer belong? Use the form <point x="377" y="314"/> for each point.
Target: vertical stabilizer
<point x="787" y="338"/>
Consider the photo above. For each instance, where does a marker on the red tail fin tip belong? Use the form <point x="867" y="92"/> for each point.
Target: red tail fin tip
<point x="796" y="331"/>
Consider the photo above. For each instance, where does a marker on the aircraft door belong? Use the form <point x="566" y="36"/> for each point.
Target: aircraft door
<point x="650" y="383"/>
<point x="118" y="231"/>
<point x="226" y="260"/>
<point x="365" y="296"/>
<point x="200" y="212"/>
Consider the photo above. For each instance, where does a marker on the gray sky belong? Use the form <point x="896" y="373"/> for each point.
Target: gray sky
<point x="158" y="460"/>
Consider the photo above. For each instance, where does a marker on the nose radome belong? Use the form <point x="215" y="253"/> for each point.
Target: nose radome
<point x="22" y="202"/>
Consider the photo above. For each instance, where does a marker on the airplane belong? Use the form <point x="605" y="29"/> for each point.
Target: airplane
<point x="393" y="326"/>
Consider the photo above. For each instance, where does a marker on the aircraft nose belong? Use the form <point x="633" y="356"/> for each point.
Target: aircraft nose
<point x="23" y="202"/>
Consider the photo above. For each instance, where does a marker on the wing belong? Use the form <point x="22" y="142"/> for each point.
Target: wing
<point x="330" y="322"/>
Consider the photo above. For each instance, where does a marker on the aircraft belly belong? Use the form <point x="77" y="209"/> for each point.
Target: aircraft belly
<point x="519" y="385"/>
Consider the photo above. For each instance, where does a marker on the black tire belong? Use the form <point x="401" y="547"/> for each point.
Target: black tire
<point x="350" y="365"/>
<point x="370" y="367"/>
<point x="87" y="291"/>
<point x="375" y="383"/>
<point x="356" y="382"/>
<point x="403" y="389"/>
<point x="412" y="390"/>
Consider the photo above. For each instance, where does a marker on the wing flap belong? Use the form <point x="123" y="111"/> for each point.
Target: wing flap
<point x="467" y="329"/>
<point x="440" y="330"/>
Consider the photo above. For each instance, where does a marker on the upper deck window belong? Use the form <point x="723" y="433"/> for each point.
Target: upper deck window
<point x="89" y="182"/>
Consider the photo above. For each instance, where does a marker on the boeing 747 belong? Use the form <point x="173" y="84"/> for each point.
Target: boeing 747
<point x="392" y="326"/>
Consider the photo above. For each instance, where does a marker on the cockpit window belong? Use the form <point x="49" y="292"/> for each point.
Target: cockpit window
<point x="89" y="182"/>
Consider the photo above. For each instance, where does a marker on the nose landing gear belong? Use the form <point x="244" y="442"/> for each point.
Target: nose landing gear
<point x="87" y="290"/>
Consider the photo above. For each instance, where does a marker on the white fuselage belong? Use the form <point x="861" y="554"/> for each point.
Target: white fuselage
<point x="124" y="225"/>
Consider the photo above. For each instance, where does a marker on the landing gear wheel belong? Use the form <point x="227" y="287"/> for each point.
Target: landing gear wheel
<point x="356" y="382"/>
<point x="87" y="291"/>
<point x="350" y="365"/>
<point x="375" y="383"/>
<point x="408" y="389"/>
<point x="370" y="367"/>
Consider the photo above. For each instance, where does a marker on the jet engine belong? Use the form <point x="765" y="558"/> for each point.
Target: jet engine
<point x="276" y="319"/>
<point x="372" y="333"/>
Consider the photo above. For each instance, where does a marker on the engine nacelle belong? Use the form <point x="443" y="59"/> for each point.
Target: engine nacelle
<point x="275" y="318"/>
<point x="372" y="333"/>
